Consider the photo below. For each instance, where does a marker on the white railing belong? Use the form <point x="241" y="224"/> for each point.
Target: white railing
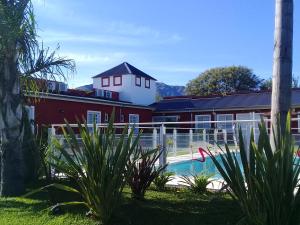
<point x="181" y="140"/>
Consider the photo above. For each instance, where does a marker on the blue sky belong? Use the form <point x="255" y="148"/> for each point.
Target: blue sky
<point x="172" y="40"/>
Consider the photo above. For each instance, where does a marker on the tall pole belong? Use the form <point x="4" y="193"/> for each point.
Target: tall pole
<point x="282" y="65"/>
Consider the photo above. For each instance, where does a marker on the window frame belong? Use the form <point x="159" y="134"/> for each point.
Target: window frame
<point x="93" y="111"/>
<point x="225" y="121"/>
<point x="108" y="81"/>
<point x="165" y="118"/>
<point x="114" y="80"/>
<point x="136" y="79"/>
<point x="147" y="80"/>
<point x="106" y="117"/>
<point x="197" y="124"/>
<point x="133" y="114"/>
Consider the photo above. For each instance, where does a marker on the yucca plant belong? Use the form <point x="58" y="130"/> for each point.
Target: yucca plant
<point x="98" y="165"/>
<point x="162" y="179"/>
<point x="196" y="183"/>
<point x="144" y="171"/>
<point x="266" y="187"/>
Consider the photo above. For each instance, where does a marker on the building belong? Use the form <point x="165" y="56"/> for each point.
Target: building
<point x="124" y="88"/>
<point x="131" y="93"/>
<point x="132" y="84"/>
<point x="240" y="106"/>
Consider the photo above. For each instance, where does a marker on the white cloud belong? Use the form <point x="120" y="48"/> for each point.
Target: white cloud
<point x="178" y="69"/>
<point x="95" y="59"/>
<point x="53" y="36"/>
<point x="61" y="21"/>
<point x="59" y="36"/>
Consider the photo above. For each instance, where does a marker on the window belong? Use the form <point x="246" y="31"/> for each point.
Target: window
<point x="203" y="118"/>
<point x="93" y="116"/>
<point x="62" y="87"/>
<point x="122" y="118"/>
<point x="107" y="94"/>
<point x="165" y="118"/>
<point x="133" y="120"/>
<point x="106" y="118"/>
<point x="51" y="85"/>
<point x="138" y="81"/>
<point x="105" y="81"/>
<point x="99" y="93"/>
<point x="255" y="117"/>
<point x="117" y="80"/>
<point x="225" y="121"/>
<point x="147" y="83"/>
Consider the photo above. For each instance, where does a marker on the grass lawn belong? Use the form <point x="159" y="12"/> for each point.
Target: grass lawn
<point x="159" y="208"/>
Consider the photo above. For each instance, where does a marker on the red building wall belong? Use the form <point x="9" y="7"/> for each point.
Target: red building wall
<point x="55" y="111"/>
<point x="190" y="116"/>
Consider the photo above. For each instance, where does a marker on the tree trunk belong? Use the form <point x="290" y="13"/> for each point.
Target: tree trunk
<point x="282" y="66"/>
<point x="12" y="164"/>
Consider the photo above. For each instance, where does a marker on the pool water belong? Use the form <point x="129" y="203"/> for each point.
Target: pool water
<point x="193" y="167"/>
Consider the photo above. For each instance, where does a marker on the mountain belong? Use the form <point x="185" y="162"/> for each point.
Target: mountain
<point x="87" y="87"/>
<point x="162" y="89"/>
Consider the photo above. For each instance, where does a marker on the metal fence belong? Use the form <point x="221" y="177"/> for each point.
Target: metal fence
<point x="181" y="140"/>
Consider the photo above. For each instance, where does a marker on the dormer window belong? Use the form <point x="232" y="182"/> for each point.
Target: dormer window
<point x="117" y="80"/>
<point x="138" y="81"/>
<point x="147" y="83"/>
<point x="105" y="81"/>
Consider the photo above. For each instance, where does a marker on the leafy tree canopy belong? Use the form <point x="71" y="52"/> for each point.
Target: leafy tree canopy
<point x="267" y="84"/>
<point x="223" y="80"/>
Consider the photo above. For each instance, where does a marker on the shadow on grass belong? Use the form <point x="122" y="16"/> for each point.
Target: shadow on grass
<point x="191" y="210"/>
<point x="171" y="207"/>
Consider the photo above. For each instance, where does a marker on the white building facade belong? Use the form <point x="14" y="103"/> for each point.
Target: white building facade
<point x="132" y="84"/>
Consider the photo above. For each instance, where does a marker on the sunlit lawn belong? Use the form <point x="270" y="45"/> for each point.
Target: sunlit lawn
<point x="159" y="208"/>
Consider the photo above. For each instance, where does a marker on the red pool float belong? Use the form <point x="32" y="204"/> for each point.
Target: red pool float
<point x="298" y="153"/>
<point x="201" y="152"/>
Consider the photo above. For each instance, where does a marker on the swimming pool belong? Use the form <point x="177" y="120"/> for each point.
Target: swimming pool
<point x="195" y="167"/>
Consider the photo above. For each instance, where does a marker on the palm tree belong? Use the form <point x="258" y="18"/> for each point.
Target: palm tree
<point x="21" y="58"/>
<point x="282" y="64"/>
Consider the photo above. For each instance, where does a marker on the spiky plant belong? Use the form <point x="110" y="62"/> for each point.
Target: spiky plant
<point x="98" y="165"/>
<point x="267" y="184"/>
<point x="196" y="183"/>
<point x="144" y="171"/>
<point x="162" y="179"/>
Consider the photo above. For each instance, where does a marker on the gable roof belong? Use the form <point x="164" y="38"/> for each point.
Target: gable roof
<point x="252" y="100"/>
<point x="124" y="68"/>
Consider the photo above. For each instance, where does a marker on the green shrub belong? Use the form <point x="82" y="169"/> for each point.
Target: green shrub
<point x="144" y="171"/>
<point x="197" y="183"/>
<point x="98" y="165"/>
<point x="266" y="185"/>
<point x="162" y="179"/>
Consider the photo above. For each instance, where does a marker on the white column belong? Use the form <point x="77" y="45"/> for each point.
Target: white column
<point x="174" y="140"/>
<point x="154" y="138"/>
<point x="225" y="135"/>
<point x="191" y="140"/>
<point x="216" y="135"/>
<point x="204" y="135"/>
<point x="163" y="144"/>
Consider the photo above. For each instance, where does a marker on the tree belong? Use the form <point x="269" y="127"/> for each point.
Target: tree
<point x="223" y="80"/>
<point x="21" y="56"/>
<point x="267" y="84"/>
<point x="282" y="64"/>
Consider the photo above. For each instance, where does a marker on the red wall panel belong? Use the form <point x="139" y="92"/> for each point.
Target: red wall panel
<point x="53" y="111"/>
